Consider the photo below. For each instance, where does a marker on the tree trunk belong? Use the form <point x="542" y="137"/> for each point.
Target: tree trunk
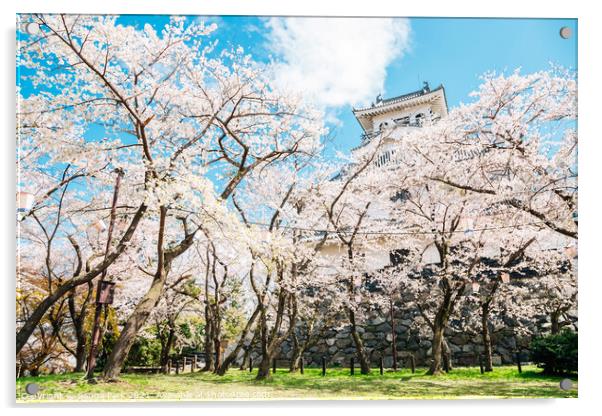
<point x="218" y="352"/>
<point x="209" y="356"/>
<point x="295" y="364"/>
<point x="133" y="325"/>
<point x="488" y="364"/>
<point x="440" y="323"/>
<point x="166" y="348"/>
<point x="80" y="354"/>
<point x="555" y="321"/>
<point x="296" y="354"/>
<point x="80" y="336"/>
<point x="223" y="368"/>
<point x="208" y="347"/>
<point x="245" y="358"/>
<point x="263" y="371"/>
<point x="248" y="349"/>
<point x="393" y="337"/>
<point x="357" y="339"/>
<point x="78" y="320"/>
<point x="270" y="345"/>
<point x="299" y="349"/>
<point x="437" y="343"/>
<point x="437" y="347"/>
<point x="38" y="313"/>
<point x="446" y="355"/>
<point x="359" y="345"/>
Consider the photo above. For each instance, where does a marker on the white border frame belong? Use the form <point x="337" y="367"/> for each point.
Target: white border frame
<point x="590" y="282"/>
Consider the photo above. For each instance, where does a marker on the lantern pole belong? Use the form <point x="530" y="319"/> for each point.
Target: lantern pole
<point x="393" y="340"/>
<point x="96" y="331"/>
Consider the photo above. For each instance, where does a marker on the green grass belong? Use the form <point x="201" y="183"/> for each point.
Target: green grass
<point x="461" y="383"/>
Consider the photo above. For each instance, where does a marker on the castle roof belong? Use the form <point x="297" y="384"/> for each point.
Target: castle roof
<point x="382" y="106"/>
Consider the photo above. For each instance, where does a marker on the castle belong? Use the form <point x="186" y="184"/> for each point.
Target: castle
<point x="391" y="118"/>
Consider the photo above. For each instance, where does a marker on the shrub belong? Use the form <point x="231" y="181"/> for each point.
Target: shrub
<point x="145" y="352"/>
<point x="556" y="353"/>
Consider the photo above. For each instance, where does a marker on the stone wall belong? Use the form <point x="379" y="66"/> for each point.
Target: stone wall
<point x="338" y="347"/>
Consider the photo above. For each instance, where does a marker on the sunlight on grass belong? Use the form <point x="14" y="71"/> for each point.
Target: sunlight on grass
<point x="461" y="383"/>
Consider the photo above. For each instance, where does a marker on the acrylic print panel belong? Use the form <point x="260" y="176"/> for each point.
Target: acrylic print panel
<point x="340" y="208"/>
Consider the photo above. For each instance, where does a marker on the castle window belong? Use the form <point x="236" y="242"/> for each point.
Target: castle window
<point x="383" y="125"/>
<point x="383" y="158"/>
<point x="419" y="119"/>
<point x="403" y="121"/>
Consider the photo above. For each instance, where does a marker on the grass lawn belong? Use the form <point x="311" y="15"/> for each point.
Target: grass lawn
<point x="461" y="383"/>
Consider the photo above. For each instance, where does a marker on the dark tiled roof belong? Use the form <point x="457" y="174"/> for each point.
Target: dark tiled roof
<point x="423" y="91"/>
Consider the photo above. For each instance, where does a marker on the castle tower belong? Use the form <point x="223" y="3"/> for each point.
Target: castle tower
<point x="393" y="116"/>
<point x="411" y="110"/>
<point x="396" y="115"/>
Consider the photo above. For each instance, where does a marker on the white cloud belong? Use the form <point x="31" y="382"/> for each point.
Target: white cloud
<point x="336" y="61"/>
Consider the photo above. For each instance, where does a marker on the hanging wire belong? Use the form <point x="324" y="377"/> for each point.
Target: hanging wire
<point x="317" y="230"/>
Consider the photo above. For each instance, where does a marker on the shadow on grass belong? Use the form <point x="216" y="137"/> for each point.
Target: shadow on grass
<point x="504" y="382"/>
<point x="462" y="382"/>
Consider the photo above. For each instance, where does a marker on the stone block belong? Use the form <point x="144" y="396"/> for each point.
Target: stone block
<point x="342" y="343"/>
<point x="377" y="321"/>
<point x="388" y="361"/>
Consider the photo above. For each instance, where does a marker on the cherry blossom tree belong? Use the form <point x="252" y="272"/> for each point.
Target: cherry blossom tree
<point x="278" y="259"/>
<point x="171" y="115"/>
<point x="393" y="282"/>
<point x="554" y="291"/>
<point x="351" y="206"/>
<point x="516" y="142"/>
<point x="180" y="299"/>
<point x="492" y="292"/>
<point x="66" y="227"/>
<point x="513" y="147"/>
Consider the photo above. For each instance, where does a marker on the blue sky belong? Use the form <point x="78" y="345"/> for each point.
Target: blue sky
<point x="347" y="62"/>
<point x="454" y="52"/>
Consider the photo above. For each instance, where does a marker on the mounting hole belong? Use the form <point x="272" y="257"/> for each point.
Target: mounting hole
<point x="32" y="388"/>
<point x="566" y="384"/>
<point x="565" y="32"/>
<point x="32" y="28"/>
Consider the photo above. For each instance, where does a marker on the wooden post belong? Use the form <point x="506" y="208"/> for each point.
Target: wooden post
<point x="323" y="366"/>
<point x="393" y="336"/>
<point x="413" y="363"/>
<point x="301" y="366"/>
<point x="446" y="364"/>
<point x="351" y="366"/>
<point x="169" y="366"/>
<point x="382" y="367"/>
<point x="274" y="366"/>
<point x="250" y="364"/>
<point x="177" y="367"/>
<point x="481" y="363"/>
<point x="193" y="365"/>
<point x="184" y="364"/>
<point x="520" y="369"/>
